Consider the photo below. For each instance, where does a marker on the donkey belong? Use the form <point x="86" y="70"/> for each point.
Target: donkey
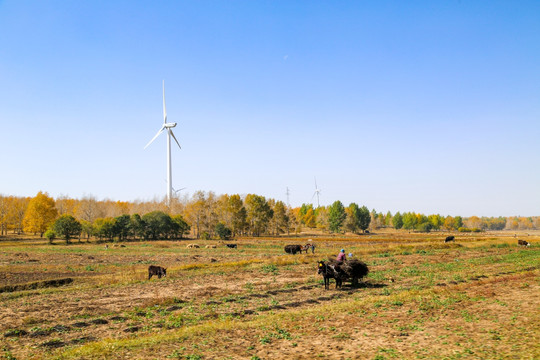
<point x="329" y="271"/>
<point x="156" y="270"/>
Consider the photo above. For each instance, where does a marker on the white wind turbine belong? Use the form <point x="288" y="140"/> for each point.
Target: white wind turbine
<point x="317" y="192"/>
<point x="167" y="126"/>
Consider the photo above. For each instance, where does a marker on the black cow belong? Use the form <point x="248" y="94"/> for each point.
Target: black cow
<point x="449" y="238"/>
<point x="523" y="243"/>
<point x="156" y="270"/>
<point x="232" y="246"/>
<point x="293" y="249"/>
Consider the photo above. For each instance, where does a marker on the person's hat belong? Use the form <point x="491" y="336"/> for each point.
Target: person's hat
<point x="342" y="250"/>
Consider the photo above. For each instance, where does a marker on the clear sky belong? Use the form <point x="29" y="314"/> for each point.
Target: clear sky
<point x="426" y="106"/>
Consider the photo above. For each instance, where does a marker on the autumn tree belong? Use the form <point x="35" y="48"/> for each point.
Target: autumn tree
<point x="365" y="218"/>
<point x="18" y="208"/>
<point x="237" y="213"/>
<point x="310" y="219"/>
<point x="89" y="209"/>
<point x="280" y="220"/>
<point x="65" y="205"/>
<point x="195" y="211"/>
<point x="436" y="221"/>
<point x="321" y="214"/>
<point x="41" y="213"/>
<point x="308" y="215"/>
<point x="474" y="222"/>
<point x="258" y="213"/>
<point x="4" y="210"/>
<point x="87" y="228"/>
<point x="449" y="223"/>
<point x="458" y="222"/>
<point x="397" y="221"/>
<point x="352" y="221"/>
<point x="409" y="221"/>
<point x="336" y="216"/>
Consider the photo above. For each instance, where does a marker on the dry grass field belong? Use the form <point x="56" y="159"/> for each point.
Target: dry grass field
<point x="477" y="298"/>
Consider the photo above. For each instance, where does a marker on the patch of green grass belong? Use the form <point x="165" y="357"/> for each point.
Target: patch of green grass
<point x="270" y="269"/>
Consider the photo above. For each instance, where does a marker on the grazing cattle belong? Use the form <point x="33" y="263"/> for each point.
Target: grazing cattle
<point x="449" y="238"/>
<point x="232" y="246"/>
<point x="293" y="249"/>
<point x="523" y="243"/>
<point x="366" y="231"/>
<point x="156" y="270"/>
<point x="210" y="246"/>
<point x="191" y="246"/>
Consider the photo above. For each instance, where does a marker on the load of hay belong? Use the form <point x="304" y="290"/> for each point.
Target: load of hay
<point x="351" y="269"/>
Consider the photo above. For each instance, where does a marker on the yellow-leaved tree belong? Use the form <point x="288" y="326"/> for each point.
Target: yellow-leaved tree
<point x="41" y="213"/>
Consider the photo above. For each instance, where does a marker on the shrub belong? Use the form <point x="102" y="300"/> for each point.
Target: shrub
<point x="424" y="227"/>
<point x="223" y="232"/>
<point x="50" y="235"/>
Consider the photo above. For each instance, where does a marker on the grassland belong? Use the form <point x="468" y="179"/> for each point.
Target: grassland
<point x="477" y="298"/>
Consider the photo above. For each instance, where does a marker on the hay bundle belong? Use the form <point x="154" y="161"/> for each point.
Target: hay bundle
<point x="352" y="269"/>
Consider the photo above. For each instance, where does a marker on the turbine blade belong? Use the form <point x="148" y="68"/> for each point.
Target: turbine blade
<point x="164" y="108"/>
<point x="174" y="137"/>
<point x="154" y="138"/>
<point x="315" y="182"/>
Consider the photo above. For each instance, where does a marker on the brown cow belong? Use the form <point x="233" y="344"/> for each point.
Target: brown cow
<point x="523" y="243"/>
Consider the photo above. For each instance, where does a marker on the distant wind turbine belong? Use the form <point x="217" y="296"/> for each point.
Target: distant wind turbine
<point x="167" y="126"/>
<point x="177" y="191"/>
<point x="317" y="192"/>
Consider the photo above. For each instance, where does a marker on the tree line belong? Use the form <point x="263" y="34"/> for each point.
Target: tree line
<point x="207" y="215"/>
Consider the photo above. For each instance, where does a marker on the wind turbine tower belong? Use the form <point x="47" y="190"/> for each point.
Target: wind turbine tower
<point x="168" y="127"/>
<point x="317" y="192"/>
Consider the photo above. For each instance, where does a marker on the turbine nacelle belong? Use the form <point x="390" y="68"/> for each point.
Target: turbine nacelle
<point x="169" y="125"/>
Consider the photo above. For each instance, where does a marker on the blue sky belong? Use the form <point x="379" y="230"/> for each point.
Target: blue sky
<point x="422" y="106"/>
